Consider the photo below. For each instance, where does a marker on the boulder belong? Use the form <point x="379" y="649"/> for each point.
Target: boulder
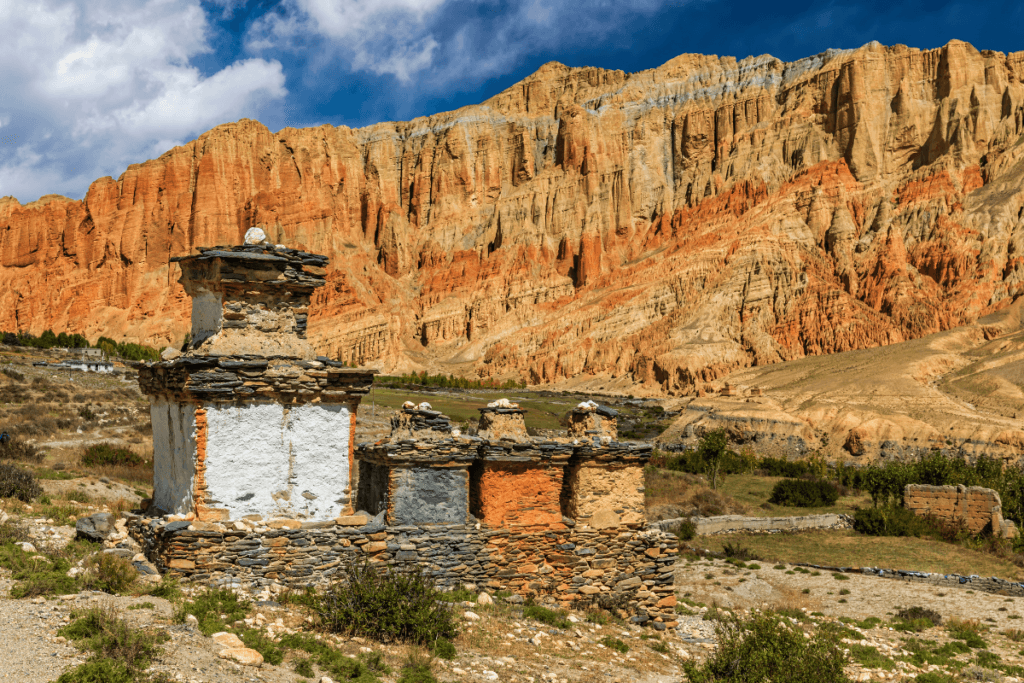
<point x="242" y="655"/>
<point x="96" y="527"/>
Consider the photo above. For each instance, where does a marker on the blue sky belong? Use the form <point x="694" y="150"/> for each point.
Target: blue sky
<point x="90" y="86"/>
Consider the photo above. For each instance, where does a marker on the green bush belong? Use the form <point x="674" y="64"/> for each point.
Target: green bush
<point x="113" y="574"/>
<point x="766" y="648"/>
<point x="686" y="530"/>
<point x="890" y="520"/>
<point x="546" y="616"/>
<point x="804" y="493"/>
<point x="914" y="613"/>
<point x="98" y="670"/>
<point x="385" y="605"/>
<point x="110" y="637"/>
<point x="18" y="483"/>
<point x="417" y="670"/>
<point x="443" y="649"/>
<point x="16" y="449"/>
<point x="304" y="667"/>
<point x="107" y="454"/>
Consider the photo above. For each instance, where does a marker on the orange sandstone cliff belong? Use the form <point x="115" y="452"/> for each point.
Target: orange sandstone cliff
<point x="667" y="226"/>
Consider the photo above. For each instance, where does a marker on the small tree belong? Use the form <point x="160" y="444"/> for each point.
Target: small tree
<point x="711" y="450"/>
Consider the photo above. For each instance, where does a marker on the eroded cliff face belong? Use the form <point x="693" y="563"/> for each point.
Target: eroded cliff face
<point x="669" y="226"/>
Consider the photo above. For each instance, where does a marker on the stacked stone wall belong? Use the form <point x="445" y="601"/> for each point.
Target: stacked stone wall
<point x="978" y="509"/>
<point x="617" y="568"/>
<point x="605" y="495"/>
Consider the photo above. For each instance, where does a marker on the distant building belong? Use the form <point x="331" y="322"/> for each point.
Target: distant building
<point x="79" y="365"/>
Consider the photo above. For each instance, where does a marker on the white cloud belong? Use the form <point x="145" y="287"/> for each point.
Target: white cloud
<point x="93" y="85"/>
<point x="440" y="42"/>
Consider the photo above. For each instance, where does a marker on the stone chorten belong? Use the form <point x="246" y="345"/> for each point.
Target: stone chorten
<point x="248" y="422"/>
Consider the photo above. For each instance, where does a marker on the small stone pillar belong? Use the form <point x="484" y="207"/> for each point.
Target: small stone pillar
<point x="420" y="474"/>
<point x="588" y="419"/>
<point x="502" y="420"/>
<point x="248" y="422"/>
<point x="604" y="483"/>
<point x="518" y="479"/>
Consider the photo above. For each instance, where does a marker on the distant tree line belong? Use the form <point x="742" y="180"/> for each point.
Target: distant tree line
<point x="49" y="340"/>
<point x="445" y="381"/>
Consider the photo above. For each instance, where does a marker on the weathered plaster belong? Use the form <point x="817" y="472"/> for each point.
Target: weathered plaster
<point x="174" y="454"/>
<point x="318" y="434"/>
<point x="428" y="496"/>
<point x="262" y="459"/>
<point x="246" y="459"/>
<point x="207" y="311"/>
<point x="517" y="494"/>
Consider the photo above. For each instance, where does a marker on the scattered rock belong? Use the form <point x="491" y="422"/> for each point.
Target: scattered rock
<point x="472" y="616"/>
<point x="191" y="621"/>
<point x="484" y="599"/>
<point x="228" y="640"/>
<point x="243" y="655"/>
<point x="95" y="527"/>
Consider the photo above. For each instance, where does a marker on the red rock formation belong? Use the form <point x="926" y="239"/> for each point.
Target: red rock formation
<point x="667" y="226"/>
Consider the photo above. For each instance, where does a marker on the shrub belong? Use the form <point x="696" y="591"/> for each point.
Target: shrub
<point x="258" y="640"/>
<point x="914" y="613"/>
<point x="686" y="530"/>
<point x="385" y="605"/>
<point x="17" y="483"/>
<point x="740" y="552"/>
<point x="16" y="449"/>
<point x="106" y="454"/>
<point x="443" y="648"/>
<point x="113" y="574"/>
<point x="101" y="630"/>
<point x="86" y="414"/>
<point x="546" y="616"/>
<point x="303" y="667"/>
<point x="765" y="648"/>
<point x="98" y="670"/>
<point x="889" y="520"/>
<point x="804" y="493"/>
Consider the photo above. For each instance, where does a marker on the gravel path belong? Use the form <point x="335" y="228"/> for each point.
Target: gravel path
<point x="29" y="652"/>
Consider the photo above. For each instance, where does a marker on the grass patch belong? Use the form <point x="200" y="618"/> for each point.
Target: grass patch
<point x="615" y="644"/>
<point x="870" y="657"/>
<point x="110" y="455"/>
<point x="851" y="549"/>
<point x="207" y="608"/>
<point x="547" y="616"/>
<point x="333" y="661"/>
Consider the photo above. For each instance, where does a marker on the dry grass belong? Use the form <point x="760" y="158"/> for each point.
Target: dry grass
<point x="850" y="549"/>
<point x="677" y="494"/>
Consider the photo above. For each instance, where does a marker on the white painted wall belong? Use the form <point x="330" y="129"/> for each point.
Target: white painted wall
<point x="318" y="434"/>
<point x="260" y="459"/>
<point x="174" y="454"/>
<point x="207" y="311"/>
<point x="246" y="459"/>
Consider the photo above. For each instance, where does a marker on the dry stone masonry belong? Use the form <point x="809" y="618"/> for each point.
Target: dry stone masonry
<point x="500" y="510"/>
<point x="978" y="509"/>
<point x="247" y="423"/>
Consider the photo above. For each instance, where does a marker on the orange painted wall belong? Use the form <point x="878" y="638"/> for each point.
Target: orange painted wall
<point x="517" y="494"/>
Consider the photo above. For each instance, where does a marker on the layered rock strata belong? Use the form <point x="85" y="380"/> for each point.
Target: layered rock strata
<point x="658" y="228"/>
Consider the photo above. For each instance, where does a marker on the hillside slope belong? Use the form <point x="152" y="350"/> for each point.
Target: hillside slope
<point x="664" y="227"/>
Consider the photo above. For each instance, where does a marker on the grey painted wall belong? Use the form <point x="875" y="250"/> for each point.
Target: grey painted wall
<point x="430" y="496"/>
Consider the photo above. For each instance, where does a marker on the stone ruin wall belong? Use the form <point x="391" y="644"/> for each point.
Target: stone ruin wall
<point x="979" y="509"/>
<point x="625" y="569"/>
<point x="466" y="509"/>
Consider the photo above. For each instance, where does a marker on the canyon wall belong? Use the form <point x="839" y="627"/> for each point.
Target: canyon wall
<point x="666" y="226"/>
